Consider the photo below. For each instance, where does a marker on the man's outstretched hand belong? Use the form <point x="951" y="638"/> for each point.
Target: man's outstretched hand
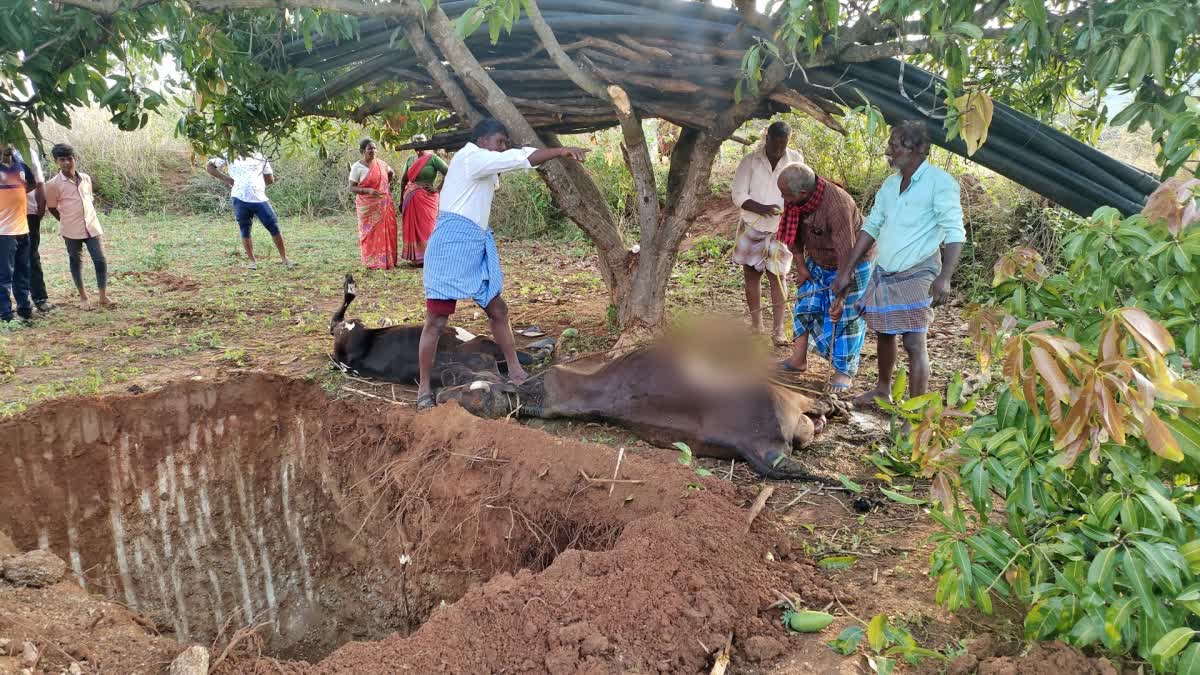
<point x="577" y="154"/>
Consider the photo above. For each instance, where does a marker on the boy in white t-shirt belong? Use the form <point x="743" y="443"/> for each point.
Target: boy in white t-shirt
<point x="248" y="178"/>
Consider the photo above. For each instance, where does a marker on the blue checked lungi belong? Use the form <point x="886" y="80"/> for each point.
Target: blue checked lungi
<point x="461" y="261"/>
<point x="842" y="344"/>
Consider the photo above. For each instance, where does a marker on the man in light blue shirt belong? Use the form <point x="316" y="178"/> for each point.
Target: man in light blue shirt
<point x="918" y="228"/>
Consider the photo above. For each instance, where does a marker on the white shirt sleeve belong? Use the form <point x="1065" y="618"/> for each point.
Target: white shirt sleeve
<point x="36" y="165"/>
<point x="358" y="172"/>
<point x="486" y="163"/>
<point x="218" y="162"/>
<point x="267" y="168"/>
<point x="740" y="189"/>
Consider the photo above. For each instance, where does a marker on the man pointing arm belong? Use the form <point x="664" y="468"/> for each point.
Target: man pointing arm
<point x="461" y="260"/>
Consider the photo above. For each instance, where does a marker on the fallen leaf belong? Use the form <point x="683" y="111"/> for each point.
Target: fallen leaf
<point x="975" y="116"/>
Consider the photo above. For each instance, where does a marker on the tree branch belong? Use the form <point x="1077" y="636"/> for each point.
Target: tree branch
<point x="577" y="193"/>
<point x="637" y="153"/>
<point x="441" y="77"/>
<point x="561" y="59"/>
<point x="350" y="7"/>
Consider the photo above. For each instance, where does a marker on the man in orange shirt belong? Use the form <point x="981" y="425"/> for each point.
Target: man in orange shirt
<point x="15" y="180"/>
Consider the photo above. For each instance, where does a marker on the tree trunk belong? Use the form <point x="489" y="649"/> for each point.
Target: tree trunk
<point x="637" y="282"/>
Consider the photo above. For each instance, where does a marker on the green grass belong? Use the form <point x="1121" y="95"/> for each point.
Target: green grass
<point x="186" y="306"/>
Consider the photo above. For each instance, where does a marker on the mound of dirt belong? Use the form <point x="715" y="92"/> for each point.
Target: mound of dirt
<point x="681" y="575"/>
<point x="51" y="629"/>
<point x="170" y="282"/>
<point x="716" y="216"/>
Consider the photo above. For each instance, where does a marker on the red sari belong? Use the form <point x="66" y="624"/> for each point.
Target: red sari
<point x="377" y="219"/>
<point x="419" y="211"/>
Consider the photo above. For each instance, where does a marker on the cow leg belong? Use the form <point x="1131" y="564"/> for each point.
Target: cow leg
<point x="427" y="349"/>
<point x="777" y="464"/>
<point x="497" y="312"/>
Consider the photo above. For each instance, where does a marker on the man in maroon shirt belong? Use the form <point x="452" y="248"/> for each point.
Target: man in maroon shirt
<point x="820" y="224"/>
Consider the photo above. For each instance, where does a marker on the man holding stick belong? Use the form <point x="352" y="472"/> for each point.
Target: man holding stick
<point x="461" y="260"/>
<point x="820" y="225"/>
<point x="918" y="224"/>
<point x="755" y="191"/>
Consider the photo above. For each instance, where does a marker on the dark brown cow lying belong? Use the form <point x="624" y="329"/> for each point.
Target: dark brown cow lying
<point x="390" y="353"/>
<point x="663" y="397"/>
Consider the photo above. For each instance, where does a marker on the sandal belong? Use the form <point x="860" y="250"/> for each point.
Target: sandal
<point x="785" y="367"/>
<point x="837" y="388"/>
<point x="425" y="402"/>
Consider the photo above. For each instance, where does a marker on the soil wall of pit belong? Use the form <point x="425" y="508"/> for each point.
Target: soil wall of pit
<point x="470" y="545"/>
<point x="205" y="506"/>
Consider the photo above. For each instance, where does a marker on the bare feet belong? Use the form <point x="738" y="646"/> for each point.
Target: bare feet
<point x="780" y="338"/>
<point x="867" y="398"/>
<point x="107" y="304"/>
<point x="517" y="374"/>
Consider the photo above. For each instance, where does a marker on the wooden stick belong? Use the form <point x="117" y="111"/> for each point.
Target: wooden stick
<point x="620" y="456"/>
<point x="792" y="503"/>
<point x="607" y="480"/>
<point x="722" y="661"/>
<point x="759" y="503"/>
<point x="370" y="395"/>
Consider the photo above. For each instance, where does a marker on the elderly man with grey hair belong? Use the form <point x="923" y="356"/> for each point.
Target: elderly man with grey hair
<point x="820" y="225"/>
<point x="918" y="222"/>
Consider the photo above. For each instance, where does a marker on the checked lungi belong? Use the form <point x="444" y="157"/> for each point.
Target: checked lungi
<point x="841" y="343"/>
<point x="461" y="261"/>
<point x="899" y="302"/>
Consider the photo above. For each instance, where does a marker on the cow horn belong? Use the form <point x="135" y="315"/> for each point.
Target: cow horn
<point x="480" y="384"/>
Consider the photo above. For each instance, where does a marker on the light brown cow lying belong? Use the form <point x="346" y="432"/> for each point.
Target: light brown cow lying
<point x="663" y="396"/>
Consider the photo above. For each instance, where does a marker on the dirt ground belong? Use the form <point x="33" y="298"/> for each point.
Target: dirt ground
<point x="510" y="559"/>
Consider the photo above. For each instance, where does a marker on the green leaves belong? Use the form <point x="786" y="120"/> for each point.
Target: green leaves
<point x="1189" y="662"/>
<point x="849" y="484"/>
<point x="847" y="641"/>
<point x="1103" y="568"/>
<point x="875" y="631"/>
<point x="897" y="497"/>
<point x="1172" y="643"/>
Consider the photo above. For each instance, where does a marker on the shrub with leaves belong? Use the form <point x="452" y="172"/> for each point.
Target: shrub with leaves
<point x="1081" y="481"/>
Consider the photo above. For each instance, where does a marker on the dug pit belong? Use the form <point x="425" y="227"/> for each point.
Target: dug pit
<point x="438" y="542"/>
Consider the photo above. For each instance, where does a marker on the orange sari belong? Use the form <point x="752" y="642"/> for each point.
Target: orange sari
<point x="419" y="210"/>
<point x="377" y="236"/>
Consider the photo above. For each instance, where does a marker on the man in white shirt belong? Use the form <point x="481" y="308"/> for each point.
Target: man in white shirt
<point x="461" y="260"/>
<point x="248" y="178"/>
<point x="755" y="191"/>
<point x="35" y="209"/>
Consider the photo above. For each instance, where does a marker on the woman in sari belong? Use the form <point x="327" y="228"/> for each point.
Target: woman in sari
<point x="370" y="181"/>
<point x="419" y="208"/>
